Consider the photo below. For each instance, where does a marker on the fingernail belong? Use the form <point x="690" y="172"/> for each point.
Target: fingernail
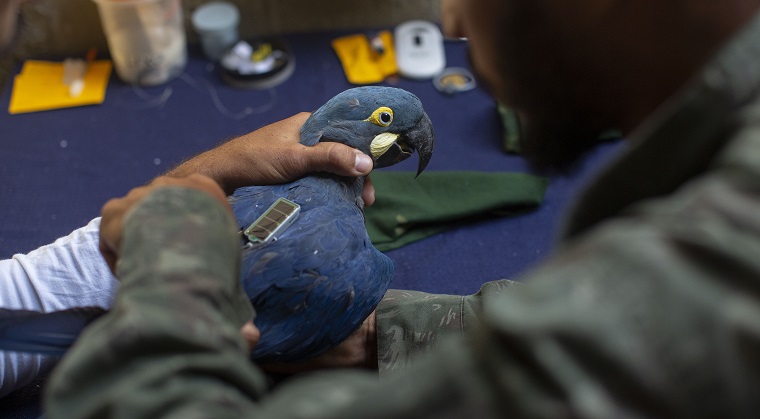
<point x="363" y="163"/>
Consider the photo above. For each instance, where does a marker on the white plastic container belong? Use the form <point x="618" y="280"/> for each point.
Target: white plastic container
<point x="217" y="26"/>
<point x="419" y="49"/>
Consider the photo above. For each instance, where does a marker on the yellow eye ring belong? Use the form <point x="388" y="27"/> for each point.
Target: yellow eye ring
<point x="382" y="116"/>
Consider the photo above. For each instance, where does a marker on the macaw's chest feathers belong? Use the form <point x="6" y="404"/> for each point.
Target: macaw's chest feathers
<point x="316" y="283"/>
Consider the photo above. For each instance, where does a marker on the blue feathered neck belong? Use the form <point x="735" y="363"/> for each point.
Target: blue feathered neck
<point x="350" y="188"/>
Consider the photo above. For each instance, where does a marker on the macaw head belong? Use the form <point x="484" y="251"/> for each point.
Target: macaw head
<point x="386" y="123"/>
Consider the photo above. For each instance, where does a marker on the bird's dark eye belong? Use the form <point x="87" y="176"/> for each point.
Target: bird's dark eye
<point x="382" y="116"/>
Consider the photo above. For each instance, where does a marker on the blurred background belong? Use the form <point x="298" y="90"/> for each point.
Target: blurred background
<point x="68" y="27"/>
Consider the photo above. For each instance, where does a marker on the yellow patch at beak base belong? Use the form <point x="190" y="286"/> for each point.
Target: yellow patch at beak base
<point x="381" y="143"/>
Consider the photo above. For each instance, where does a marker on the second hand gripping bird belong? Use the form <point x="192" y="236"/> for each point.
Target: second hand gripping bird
<point x="317" y="282"/>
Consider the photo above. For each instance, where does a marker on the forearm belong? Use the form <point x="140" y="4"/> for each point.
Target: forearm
<point x="179" y="250"/>
<point x="267" y="156"/>
<point x="67" y="273"/>
<point x="411" y="322"/>
<point x="228" y="173"/>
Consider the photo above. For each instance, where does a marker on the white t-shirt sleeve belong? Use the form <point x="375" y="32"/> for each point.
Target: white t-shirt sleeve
<point x="68" y="273"/>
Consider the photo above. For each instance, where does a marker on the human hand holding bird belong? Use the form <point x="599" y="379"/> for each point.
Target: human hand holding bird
<point x="272" y="155"/>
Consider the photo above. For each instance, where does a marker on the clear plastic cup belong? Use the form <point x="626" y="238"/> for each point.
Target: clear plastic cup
<point x="146" y="39"/>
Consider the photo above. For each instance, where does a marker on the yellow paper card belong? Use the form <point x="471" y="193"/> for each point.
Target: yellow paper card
<point x="361" y="63"/>
<point x="39" y="87"/>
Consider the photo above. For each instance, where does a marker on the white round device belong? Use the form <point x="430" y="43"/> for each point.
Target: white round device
<point x="419" y="49"/>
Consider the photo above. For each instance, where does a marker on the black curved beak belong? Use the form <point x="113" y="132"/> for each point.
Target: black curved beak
<point x="419" y="138"/>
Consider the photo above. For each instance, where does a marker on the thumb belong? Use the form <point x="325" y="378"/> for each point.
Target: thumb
<point x="250" y="334"/>
<point x="339" y="159"/>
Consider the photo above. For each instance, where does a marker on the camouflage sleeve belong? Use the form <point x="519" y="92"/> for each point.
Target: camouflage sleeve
<point x="176" y="320"/>
<point x="410" y="323"/>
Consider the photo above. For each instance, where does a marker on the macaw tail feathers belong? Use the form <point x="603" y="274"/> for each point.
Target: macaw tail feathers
<point x="45" y="333"/>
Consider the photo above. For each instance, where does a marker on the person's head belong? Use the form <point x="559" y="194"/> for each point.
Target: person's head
<point x="576" y="68"/>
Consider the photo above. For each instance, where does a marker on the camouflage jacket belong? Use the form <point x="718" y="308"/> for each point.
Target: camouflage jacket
<point x="649" y="308"/>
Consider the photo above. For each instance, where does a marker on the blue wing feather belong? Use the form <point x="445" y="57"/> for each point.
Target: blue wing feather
<point x="315" y="285"/>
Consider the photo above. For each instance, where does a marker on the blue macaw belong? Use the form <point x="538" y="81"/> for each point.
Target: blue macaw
<point x="315" y="282"/>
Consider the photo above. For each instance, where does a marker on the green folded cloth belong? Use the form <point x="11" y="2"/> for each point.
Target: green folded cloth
<point x="408" y="209"/>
